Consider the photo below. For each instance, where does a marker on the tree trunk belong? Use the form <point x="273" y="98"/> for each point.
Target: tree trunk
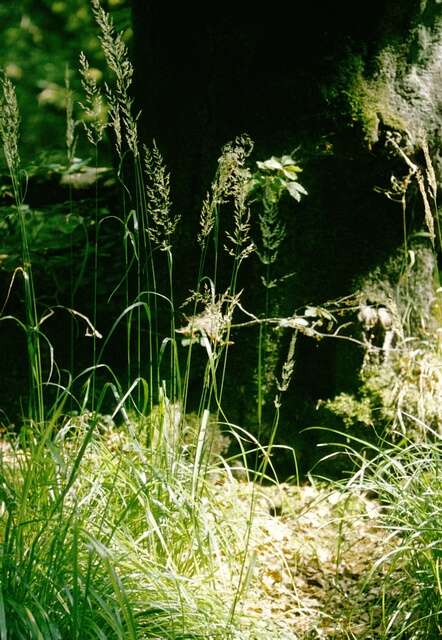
<point x="335" y="80"/>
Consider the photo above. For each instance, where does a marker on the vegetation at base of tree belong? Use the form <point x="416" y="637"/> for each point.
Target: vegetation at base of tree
<point x="130" y="504"/>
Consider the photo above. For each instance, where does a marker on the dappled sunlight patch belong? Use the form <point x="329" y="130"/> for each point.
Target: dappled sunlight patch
<point x="310" y="562"/>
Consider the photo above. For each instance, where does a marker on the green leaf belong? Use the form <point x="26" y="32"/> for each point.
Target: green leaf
<point x="3" y="627"/>
<point x="295" y="190"/>
<point x="273" y="164"/>
<point x="291" y="171"/>
<point x="288" y="161"/>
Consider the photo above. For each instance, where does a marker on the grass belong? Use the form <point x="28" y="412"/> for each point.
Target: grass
<point x="112" y="539"/>
<point x="404" y="582"/>
<point x="120" y="532"/>
<point x="138" y="531"/>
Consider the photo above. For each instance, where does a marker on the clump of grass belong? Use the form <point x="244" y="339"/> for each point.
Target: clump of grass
<point x="111" y="540"/>
<point x="119" y="533"/>
<point x="407" y="579"/>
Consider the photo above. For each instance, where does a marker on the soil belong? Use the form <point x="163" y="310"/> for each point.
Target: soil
<point x="316" y="555"/>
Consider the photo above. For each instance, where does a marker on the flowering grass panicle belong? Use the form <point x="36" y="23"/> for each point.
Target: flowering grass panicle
<point x="93" y="105"/>
<point x="9" y="124"/>
<point x="230" y="183"/>
<point x="117" y="59"/>
<point x="163" y="223"/>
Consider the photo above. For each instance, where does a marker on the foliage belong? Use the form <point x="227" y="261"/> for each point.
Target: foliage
<point x="122" y="532"/>
<point x="106" y="533"/>
<point x="38" y="42"/>
<point x="406" y="478"/>
<point x="400" y="381"/>
<point x="106" y="537"/>
<point x="274" y="177"/>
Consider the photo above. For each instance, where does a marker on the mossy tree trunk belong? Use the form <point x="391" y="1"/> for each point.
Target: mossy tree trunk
<point x="335" y="80"/>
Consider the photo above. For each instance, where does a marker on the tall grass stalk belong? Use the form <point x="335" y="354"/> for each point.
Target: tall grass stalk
<point x="120" y="533"/>
<point x="163" y="224"/>
<point x="125" y="131"/>
<point x="9" y="136"/>
<point x="273" y="178"/>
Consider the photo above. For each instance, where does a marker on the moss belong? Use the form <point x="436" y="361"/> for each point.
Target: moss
<point x="364" y="93"/>
<point x="351" y="410"/>
<point x="373" y="101"/>
<point x="400" y="385"/>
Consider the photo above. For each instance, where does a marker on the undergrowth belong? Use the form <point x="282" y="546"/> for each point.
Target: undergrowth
<point x="113" y="532"/>
<point x="106" y="537"/>
<point x="398" y="405"/>
<point x="407" y="579"/>
<point x="120" y="531"/>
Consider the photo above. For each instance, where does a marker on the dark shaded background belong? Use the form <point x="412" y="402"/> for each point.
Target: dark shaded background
<point x="279" y="73"/>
